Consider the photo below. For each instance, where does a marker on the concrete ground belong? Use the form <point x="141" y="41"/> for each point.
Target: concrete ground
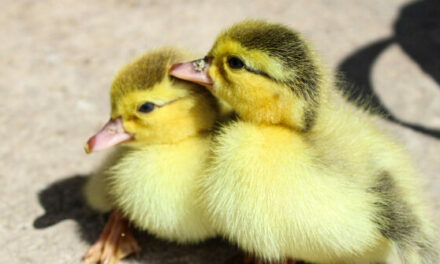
<point x="58" y="59"/>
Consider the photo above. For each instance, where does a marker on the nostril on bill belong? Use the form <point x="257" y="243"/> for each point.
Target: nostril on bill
<point x="199" y="65"/>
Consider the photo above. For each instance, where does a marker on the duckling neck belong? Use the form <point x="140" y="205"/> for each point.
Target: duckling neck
<point x="166" y="139"/>
<point x="282" y="112"/>
<point x="296" y="111"/>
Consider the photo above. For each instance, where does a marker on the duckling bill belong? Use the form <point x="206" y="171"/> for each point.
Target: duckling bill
<point x="195" y="71"/>
<point x="113" y="133"/>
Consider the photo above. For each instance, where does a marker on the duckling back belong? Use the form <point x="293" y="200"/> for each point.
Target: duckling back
<point x="349" y="139"/>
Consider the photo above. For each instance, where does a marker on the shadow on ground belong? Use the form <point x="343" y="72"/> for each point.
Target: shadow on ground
<point x="417" y="32"/>
<point x="63" y="200"/>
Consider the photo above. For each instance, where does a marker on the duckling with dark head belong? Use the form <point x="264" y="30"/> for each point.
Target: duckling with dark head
<point x="253" y="63"/>
<point x="300" y="175"/>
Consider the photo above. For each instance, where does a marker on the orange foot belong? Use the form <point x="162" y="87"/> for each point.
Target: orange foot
<point x="116" y="242"/>
<point x="250" y="259"/>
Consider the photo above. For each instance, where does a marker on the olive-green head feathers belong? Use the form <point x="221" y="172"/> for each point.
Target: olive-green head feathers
<point x="151" y="107"/>
<point x="266" y="72"/>
<point x="276" y="52"/>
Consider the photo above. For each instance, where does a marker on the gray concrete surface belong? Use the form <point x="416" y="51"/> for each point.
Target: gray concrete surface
<point x="58" y="59"/>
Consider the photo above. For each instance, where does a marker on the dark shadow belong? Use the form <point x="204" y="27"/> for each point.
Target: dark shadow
<point x="417" y="31"/>
<point x="63" y="200"/>
<point x="356" y="75"/>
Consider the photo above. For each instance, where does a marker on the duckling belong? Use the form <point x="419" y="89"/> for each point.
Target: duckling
<point x="303" y="174"/>
<point x="163" y="125"/>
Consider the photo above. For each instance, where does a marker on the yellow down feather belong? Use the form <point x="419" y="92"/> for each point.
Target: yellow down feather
<point x="304" y="174"/>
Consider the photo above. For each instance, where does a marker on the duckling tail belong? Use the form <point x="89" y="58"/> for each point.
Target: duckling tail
<point x="418" y="251"/>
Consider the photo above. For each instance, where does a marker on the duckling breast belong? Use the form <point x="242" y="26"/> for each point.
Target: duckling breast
<point x="156" y="187"/>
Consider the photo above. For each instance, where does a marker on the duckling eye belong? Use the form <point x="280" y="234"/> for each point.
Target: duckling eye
<point x="235" y="63"/>
<point x="146" y="107"/>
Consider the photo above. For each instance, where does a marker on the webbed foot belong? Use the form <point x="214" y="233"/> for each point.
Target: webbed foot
<point x="116" y="242"/>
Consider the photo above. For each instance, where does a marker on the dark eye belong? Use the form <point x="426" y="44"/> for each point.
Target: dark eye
<point x="235" y="63"/>
<point x="146" y="107"/>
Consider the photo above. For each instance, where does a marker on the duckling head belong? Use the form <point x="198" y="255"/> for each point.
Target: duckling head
<point x="265" y="71"/>
<point x="150" y="107"/>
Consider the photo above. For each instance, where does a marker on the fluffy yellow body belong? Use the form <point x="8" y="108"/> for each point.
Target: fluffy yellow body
<point x="96" y="190"/>
<point x="304" y="174"/>
<point x="278" y="194"/>
<point x="156" y="188"/>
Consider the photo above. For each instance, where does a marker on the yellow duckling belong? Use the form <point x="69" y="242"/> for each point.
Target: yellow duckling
<point x="164" y="125"/>
<point x="303" y="174"/>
